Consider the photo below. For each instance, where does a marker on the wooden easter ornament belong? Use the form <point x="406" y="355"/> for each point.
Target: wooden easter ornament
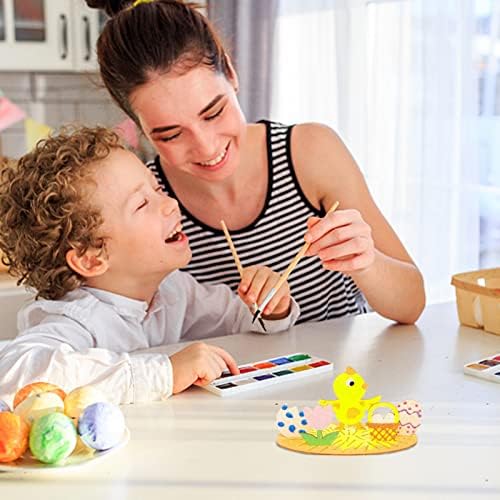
<point x="350" y="424"/>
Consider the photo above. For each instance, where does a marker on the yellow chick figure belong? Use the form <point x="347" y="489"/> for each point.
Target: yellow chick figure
<point x="350" y="407"/>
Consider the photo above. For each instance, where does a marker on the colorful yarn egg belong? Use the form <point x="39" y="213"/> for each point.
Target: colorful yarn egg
<point x="38" y="405"/>
<point x="14" y="434"/>
<point x="78" y="399"/>
<point x="101" y="426"/>
<point x="4" y="406"/>
<point x="36" y="388"/>
<point x="52" y="438"/>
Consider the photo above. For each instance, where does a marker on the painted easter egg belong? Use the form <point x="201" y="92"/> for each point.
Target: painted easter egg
<point x="4" y="406"/>
<point x="14" y="434"/>
<point x="38" y="405"/>
<point x="410" y="417"/>
<point x="52" y="438"/>
<point x="36" y="388"/>
<point x="290" y="421"/>
<point x="101" y="426"/>
<point x="78" y="399"/>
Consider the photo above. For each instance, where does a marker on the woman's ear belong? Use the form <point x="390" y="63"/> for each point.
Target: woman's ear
<point x="232" y="76"/>
<point x="93" y="262"/>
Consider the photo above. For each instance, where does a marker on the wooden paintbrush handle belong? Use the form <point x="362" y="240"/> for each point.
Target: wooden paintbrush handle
<point x="232" y="247"/>
<point x="299" y="256"/>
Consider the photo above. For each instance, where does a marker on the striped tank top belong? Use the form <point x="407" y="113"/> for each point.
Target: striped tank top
<point x="272" y="240"/>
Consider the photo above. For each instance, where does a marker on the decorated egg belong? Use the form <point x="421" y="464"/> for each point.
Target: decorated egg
<point x="36" y="388"/>
<point x="291" y="421"/>
<point x="37" y="405"/>
<point x="14" y="434"/>
<point x="410" y="416"/>
<point x="101" y="426"/>
<point x="78" y="399"/>
<point x="52" y="438"/>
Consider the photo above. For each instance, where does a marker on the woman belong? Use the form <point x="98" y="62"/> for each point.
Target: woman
<point x="164" y="65"/>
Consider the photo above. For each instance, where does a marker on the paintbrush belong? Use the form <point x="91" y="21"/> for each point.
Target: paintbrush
<point x="287" y="272"/>
<point x="239" y="266"/>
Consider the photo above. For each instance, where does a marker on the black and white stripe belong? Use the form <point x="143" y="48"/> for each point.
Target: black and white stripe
<point x="272" y="240"/>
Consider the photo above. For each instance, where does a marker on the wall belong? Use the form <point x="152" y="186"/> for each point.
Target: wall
<point x="55" y="99"/>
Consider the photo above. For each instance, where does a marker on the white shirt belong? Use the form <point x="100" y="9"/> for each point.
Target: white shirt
<point x="90" y="337"/>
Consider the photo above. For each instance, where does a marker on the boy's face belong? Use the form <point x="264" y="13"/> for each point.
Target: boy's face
<point x="141" y="224"/>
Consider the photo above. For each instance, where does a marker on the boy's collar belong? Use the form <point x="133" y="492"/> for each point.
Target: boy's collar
<point x="124" y="306"/>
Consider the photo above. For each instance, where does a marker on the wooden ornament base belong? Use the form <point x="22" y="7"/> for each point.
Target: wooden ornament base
<point x="401" y="442"/>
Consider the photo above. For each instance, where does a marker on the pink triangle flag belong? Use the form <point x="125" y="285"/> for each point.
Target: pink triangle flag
<point x="9" y="113"/>
<point x="127" y="130"/>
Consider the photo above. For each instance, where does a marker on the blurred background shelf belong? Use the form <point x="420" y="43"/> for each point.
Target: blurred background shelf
<point x="12" y="298"/>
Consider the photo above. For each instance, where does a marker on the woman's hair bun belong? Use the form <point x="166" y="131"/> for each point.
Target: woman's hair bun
<point x="111" y="7"/>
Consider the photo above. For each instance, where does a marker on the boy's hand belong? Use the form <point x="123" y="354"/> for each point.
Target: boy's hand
<point x="255" y="285"/>
<point x="200" y="364"/>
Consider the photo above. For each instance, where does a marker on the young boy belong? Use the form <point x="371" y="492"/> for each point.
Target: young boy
<point x="85" y="223"/>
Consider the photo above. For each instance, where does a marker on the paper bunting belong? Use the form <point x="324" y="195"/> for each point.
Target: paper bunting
<point x="9" y="113"/>
<point x="127" y="130"/>
<point x="34" y="132"/>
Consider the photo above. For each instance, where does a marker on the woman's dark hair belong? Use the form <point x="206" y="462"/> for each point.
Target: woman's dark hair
<point x="149" y="39"/>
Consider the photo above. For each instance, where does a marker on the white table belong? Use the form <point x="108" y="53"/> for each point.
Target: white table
<point x="197" y="445"/>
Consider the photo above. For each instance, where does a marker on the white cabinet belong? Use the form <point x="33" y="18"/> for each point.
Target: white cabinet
<point x="48" y="35"/>
<point x="87" y="24"/>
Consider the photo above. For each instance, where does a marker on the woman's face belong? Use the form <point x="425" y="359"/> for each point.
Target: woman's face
<point x="193" y="120"/>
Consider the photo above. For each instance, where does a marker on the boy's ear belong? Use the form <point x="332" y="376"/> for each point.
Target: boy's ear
<point x="90" y="264"/>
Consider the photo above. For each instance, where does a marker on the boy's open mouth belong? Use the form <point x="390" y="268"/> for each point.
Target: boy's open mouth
<point x="175" y="235"/>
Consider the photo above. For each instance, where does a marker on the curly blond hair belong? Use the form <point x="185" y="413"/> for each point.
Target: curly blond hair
<point x="43" y="210"/>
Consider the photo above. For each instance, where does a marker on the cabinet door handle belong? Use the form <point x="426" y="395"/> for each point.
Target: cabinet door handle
<point x="63" y="21"/>
<point x="88" y="48"/>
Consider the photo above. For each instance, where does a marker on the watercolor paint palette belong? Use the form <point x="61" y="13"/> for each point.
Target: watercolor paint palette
<point x="487" y="368"/>
<point x="268" y="372"/>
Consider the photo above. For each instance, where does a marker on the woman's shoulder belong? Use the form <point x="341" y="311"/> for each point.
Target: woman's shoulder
<point x="323" y="164"/>
<point x="315" y="138"/>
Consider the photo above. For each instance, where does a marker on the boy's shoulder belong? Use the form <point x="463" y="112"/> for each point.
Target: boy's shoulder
<point x="78" y="304"/>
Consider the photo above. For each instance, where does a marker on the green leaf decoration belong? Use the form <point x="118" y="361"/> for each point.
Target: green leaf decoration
<point x="319" y="441"/>
<point x="329" y="438"/>
<point x="309" y="438"/>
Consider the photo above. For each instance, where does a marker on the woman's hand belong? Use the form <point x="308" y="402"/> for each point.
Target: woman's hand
<point x="342" y="240"/>
<point x="256" y="283"/>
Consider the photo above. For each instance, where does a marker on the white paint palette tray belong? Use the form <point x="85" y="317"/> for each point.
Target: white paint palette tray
<point x="267" y="372"/>
<point x="487" y="368"/>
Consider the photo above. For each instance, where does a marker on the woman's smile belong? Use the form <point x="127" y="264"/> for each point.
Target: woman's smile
<point x="218" y="162"/>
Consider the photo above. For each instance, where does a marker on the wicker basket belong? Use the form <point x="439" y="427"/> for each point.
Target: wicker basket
<point x="383" y="431"/>
<point x="478" y="304"/>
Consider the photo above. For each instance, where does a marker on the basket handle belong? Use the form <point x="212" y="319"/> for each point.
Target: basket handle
<point x="384" y="405"/>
